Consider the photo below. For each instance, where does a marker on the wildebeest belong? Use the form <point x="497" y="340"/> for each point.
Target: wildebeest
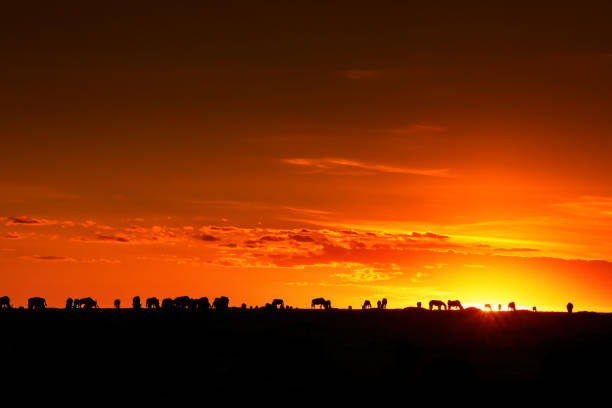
<point x="383" y="304"/>
<point x="324" y="304"/>
<point x="419" y="305"/>
<point x="512" y="306"/>
<point x="117" y="303"/>
<point x="88" y="303"/>
<point x="437" y="303"/>
<point x="69" y="303"/>
<point x="5" y="303"/>
<point x="221" y="303"/>
<point x="37" y="303"/>
<point x="182" y="302"/>
<point x="76" y="303"/>
<point x="167" y="304"/>
<point x="136" y="302"/>
<point x="152" y="302"/>
<point x="454" y="303"/>
<point x="276" y="303"/>
<point x="570" y="307"/>
<point x="366" y="305"/>
<point x="201" y="303"/>
<point x="488" y="306"/>
<point x="317" y="302"/>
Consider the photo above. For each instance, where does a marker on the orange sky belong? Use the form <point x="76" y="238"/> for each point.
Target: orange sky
<point x="299" y="151"/>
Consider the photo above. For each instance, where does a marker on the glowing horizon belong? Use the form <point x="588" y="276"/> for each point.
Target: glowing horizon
<point x="282" y="157"/>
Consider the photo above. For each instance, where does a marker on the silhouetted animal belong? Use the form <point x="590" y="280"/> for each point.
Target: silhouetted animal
<point x="136" y="302"/>
<point x="152" y="302"/>
<point x="276" y="303"/>
<point x="89" y="303"/>
<point x="378" y="304"/>
<point x="182" y="302"/>
<point x="437" y="303"/>
<point x="76" y="303"/>
<point x="318" y="302"/>
<point x="366" y="305"/>
<point x="488" y="306"/>
<point x="454" y="303"/>
<point x="570" y="307"/>
<point x="327" y="304"/>
<point x="383" y="304"/>
<point x="419" y="305"/>
<point x="221" y="303"/>
<point x="37" y="303"/>
<point x="512" y="306"/>
<point x="117" y="303"/>
<point x="202" y="303"/>
<point x="167" y="304"/>
<point x="5" y="303"/>
<point x="535" y="309"/>
<point x="69" y="303"/>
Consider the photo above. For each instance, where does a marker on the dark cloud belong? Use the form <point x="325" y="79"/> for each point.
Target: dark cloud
<point x="25" y="221"/>
<point x="271" y="238"/>
<point x="115" y="238"/>
<point x="207" y="237"/>
<point x="50" y="258"/>
<point x="301" y="238"/>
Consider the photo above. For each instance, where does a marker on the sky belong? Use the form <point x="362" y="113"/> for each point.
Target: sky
<point x="346" y="150"/>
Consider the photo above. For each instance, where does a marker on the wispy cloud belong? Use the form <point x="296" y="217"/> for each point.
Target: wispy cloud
<point x="332" y="164"/>
<point x="52" y="258"/>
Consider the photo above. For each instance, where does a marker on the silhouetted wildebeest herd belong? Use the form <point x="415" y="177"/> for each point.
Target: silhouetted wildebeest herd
<point x="222" y="303"/>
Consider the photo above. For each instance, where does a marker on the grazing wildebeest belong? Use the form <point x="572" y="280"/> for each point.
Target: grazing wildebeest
<point x="488" y="306"/>
<point x="76" y="303"/>
<point x="152" y="302"/>
<point x="36" y="303"/>
<point x="5" y="303"/>
<point x="202" y="303"/>
<point x="327" y="304"/>
<point x="383" y="304"/>
<point x="366" y="305"/>
<point x="317" y="302"/>
<point x="182" y="302"/>
<point x="117" y="303"/>
<point x="221" y="303"/>
<point x="454" y="303"/>
<point x="570" y="307"/>
<point x="278" y="303"/>
<point x="512" y="306"/>
<point x="89" y="303"/>
<point x="69" y="303"/>
<point x="167" y="304"/>
<point x="437" y="303"/>
<point x="136" y="302"/>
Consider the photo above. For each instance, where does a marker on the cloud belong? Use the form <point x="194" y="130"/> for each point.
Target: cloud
<point x="10" y="235"/>
<point x="27" y="221"/>
<point x="332" y="165"/>
<point x="114" y="238"/>
<point x="428" y="235"/>
<point x="301" y="238"/>
<point x="207" y="237"/>
<point x="516" y="249"/>
<point x="52" y="258"/>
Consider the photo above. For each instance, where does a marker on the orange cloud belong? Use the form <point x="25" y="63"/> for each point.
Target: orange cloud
<point x="333" y="165"/>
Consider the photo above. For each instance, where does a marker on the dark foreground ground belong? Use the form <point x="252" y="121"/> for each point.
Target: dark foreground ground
<point x="303" y="350"/>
